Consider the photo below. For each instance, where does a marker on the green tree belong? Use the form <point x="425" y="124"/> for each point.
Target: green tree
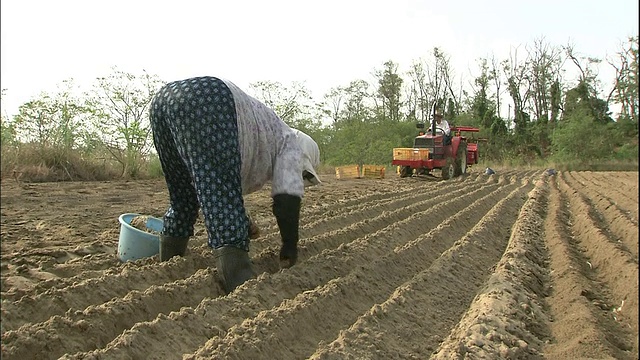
<point x="51" y="120"/>
<point x="358" y="99"/>
<point x="583" y="97"/>
<point x="334" y="102"/>
<point x="544" y="73"/>
<point x="625" y="91"/>
<point x="518" y="88"/>
<point x="555" y="93"/>
<point x="8" y="134"/>
<point x="482" y="107"/>
<point x="544" y="77"/>
<point x="52" y="125"/>
<point x="119" y="106"/>
<point x="389" y="90"/>
<point x="495" y="74"/>
<point x="359" y="142"/>
<point x="581" y="137"/>
<point x="431" y="87"/>
<point x="293" y="104"/>
<point x="419" y="102"/>
<point x="483" y="111"/>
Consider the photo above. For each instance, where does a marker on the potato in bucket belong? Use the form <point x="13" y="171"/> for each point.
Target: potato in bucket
<point x="139" y="236"/>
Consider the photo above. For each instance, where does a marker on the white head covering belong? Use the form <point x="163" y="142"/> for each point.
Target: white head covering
<point x="310" y="156"/>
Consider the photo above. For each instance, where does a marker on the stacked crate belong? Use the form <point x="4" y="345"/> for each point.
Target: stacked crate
<point x="348" y="172"/>
<point x="373" y="171"/>
<point x="410" y="154"/>
<point x="357" y="172"/>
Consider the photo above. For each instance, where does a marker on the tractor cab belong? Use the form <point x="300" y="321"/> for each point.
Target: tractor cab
<point x="433" y="139"/>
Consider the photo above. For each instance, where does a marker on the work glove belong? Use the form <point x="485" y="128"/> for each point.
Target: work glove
<point x="286" y="209"/>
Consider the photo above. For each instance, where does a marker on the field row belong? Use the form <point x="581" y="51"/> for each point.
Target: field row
<point x="518" y="265"/>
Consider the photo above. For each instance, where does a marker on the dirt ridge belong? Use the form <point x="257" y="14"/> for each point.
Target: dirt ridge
<point x="420" y="303"/>
<point x="610" y="218"/>
<point x="614" y="268"/>
<point x="579" y="328"/>
<point x="342" y="257"/>
<point x="625" y="203"/>
<point x="344" y="298"/>
<point x="519" y="264"/>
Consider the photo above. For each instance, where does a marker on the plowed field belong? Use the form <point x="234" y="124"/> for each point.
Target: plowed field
<point x="516" y="265"/>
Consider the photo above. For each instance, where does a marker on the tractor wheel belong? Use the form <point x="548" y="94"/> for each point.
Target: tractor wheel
<point x="405" y="171"/>
<point x="448" y="170"/>
<point x="461" y="160"/>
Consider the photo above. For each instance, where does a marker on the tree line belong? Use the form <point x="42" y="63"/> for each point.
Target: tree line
<point x="104" y="132"/>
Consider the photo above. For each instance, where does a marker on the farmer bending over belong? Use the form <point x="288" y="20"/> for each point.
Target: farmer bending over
<point x="216" y="144"/>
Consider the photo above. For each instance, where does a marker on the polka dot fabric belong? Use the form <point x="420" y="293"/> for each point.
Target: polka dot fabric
<point x="195" y="133"/>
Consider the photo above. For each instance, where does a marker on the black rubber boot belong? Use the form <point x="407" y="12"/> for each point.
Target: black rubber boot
<point x="286" y="209"/>
<point x="171" y="246"/>
<point x="234" y="267"/>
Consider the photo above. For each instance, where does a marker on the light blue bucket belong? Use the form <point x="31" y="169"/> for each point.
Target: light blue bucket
<point x="137" y="244"/>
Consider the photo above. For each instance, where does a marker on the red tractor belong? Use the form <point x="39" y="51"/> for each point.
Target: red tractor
<point x="430" y="152"/>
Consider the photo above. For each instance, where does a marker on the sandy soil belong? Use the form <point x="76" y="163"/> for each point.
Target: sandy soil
<point x="515" y="265"/>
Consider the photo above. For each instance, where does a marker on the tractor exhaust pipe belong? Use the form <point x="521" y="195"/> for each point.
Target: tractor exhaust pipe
<point x="433" y="119"/>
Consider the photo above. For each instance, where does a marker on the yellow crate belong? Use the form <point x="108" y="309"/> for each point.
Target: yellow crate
<point x="410" y="154"/>
<point x="348" y="172"/>
<point x="402" y="153"/>
<point x="373" y="171"/>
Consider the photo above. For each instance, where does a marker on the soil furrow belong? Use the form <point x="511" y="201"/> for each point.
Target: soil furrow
<point x="74" y="271"/>
<point x="102" y="323"/>
<point x="614" y="269"/>
<point x="578" y="326"/>
<point x="344" y="299"/>
<point x="326" y="264"/>
<point x="338" y="215"/>
<point x="619" y="180"/>
<point x="507" y="319"/>
<point x="327" y="207"/>
<point x="118" y="282"/>
<point x="610" y="218"/>
<point x="94" y="291"/>
<point x="473" y="267"/>
<point x="422" y="309"/>
<point x="76" y="267"/>
<point x="89" y="264"/>
<point x="605" y="181"/>
<point x="358" y="225"/>
<point x="92" y="266"/>
<point x="340" y="220"/>
<point x="627" y="202"/>
<point x="328" y="214"/>
<point x="90" y="287"/>
<point x="332" y="202"/>
<point x="373" y="208"/>
<point x="333" y="239"/>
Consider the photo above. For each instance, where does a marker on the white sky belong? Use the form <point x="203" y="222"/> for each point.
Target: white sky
<point x="324" y="43"/>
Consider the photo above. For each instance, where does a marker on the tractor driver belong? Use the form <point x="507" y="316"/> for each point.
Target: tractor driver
<point x="443" y="125"/>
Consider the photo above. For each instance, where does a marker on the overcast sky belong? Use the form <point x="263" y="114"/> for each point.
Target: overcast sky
<point x="323" y="44"/>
